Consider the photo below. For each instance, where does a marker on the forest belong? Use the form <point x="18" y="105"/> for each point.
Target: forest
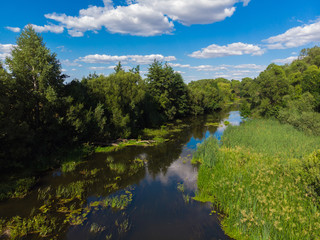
<point x="43" y="116"/>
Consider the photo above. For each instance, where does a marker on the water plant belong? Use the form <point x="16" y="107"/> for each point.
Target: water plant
<point x="68" y="166"/>
<point x="119" y="202"/>
<point x="118" y="167"/>
<point x="180" y="187"/>
<point x="71" y="191"/>
<point x="23" y="186"/>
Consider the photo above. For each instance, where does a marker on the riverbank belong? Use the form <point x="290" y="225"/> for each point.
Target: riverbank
<point x="18" y="185"/>
<point x="265" y="178"/>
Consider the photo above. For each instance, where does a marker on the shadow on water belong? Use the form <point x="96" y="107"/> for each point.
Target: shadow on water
<point x="134" y="193"/>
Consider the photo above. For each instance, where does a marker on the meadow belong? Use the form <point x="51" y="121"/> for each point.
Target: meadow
<point x="264" y="178"/>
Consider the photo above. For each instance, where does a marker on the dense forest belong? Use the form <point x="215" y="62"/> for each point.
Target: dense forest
<point x="289" y="93"/>
<point x="42" y="114"/>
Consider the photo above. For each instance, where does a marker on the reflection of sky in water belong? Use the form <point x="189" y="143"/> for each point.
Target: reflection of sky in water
<point x="182" y="169"/>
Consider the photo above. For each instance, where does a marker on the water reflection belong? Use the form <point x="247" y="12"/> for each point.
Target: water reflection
<point x="135" y="193"/>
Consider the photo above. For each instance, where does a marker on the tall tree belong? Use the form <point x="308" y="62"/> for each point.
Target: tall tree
<point x="37" y="74"/>
<point x="168" y="89"/>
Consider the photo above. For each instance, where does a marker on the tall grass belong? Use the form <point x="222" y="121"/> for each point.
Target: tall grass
<point x="264" y="179"/>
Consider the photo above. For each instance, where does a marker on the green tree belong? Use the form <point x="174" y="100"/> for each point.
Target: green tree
<point x="273" y="86"/>
<point x="37" y="74"/>
<point x="168" y="89"/>
<point x="118" y="68"/>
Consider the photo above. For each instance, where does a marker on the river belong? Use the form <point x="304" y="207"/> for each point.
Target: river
<point x="134" y="193"/>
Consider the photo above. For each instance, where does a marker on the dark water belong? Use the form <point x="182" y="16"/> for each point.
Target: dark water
<point x="158" y="181"/>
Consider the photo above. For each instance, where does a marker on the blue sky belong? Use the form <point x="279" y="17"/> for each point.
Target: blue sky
<point x="199" y="38"/>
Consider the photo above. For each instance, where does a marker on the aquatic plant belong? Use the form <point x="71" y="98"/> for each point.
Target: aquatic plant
<point x="68" y="166"/>
<point x="118" y="167"/>
<point x="119" y="202"/>
<point x="123" y="227"/>
<point x="180" y="187"/>
<point x="23" y="186"/>
<point x="71" y="191"/>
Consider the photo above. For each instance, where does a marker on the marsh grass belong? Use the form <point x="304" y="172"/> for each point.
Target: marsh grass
<point x="264" y="178"/>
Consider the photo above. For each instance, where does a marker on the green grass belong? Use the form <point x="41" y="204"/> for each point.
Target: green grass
<point x="265" y="179"/>
<point x="271" y="138"/>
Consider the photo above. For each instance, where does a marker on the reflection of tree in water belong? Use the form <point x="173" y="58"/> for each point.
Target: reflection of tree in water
<point x="105" y="174"/>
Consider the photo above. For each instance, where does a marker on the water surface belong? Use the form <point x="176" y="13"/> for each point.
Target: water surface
<point x="157" y="182"/>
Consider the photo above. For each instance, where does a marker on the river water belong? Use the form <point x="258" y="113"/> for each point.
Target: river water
<point x="154" y="187"/>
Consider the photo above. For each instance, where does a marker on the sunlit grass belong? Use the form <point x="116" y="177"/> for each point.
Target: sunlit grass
<point x="264" y="178"/>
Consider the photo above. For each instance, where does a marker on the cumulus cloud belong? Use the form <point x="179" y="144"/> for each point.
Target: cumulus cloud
<point x="179" y="65"/>
<point x="14" y="29"/>
<point x="195" y="12"/>
<point x="286" y="60"/>
<point x="146" y="17"/>
<point x="5" y="50"/>
<point x="295" y="37"/>
<point x="135" y="19"/>
<point x="69" y="63"/>
<point x="48" y="28"/>
<point x="234" y="49"/>
<point x="138" y="59"/>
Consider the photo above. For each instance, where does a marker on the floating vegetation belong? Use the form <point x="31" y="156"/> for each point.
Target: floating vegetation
<point x="123" y="227"/>
<point x="90" y="173"/>
<point x="119" y="202"/>
<point x="71" y="191"/>
<point x="186" y="198"/>
<point x="95" y="228"/>
<point x="109" y="236"/>
<point x="77" y="217"/>
<point x="180" y="187"/>
<point x="213" y="124"/>
<point x="68" y="166"/>
<point x="118" y="167"/>
<point x="109" y="159"/>
<point x="18" y="227"/>
<point x="23" y="186"/>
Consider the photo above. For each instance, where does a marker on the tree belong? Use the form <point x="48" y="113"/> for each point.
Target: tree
<point x="118" y="68"/>
<point x="37" y="74"/>
<point x="273" y="86"/>
<point x="168" y="89"/>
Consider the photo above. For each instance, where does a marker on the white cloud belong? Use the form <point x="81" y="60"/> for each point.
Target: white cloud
<point x="14" y="29"/>
<point x="195" y="11"/>
<point x="295" y="37"/>
<point x="134" y="19"/>
<point x="5" y="50"/>
<point x="69" y="63"/>
<point x="285" y="60"/>
<point x="48" y="28"/>
<point x="234" y="49"/>
<point x="138" y="59"/>
<point x="209" y="68"/>
<point x="146" y="17"/>
<point x="251" y="66"/>
<point x="179" y="65"/>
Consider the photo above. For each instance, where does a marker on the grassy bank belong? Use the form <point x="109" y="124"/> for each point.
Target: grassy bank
<point x="265" y="178"/>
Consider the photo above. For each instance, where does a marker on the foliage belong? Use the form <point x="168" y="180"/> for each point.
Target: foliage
<point x="168" y="89"/>
<point x="265" y="181"/>
<point x="287" y="92"/>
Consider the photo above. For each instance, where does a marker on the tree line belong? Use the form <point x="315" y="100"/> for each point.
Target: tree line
<point x="40" y="114"/>
<point x="289" y="93"/>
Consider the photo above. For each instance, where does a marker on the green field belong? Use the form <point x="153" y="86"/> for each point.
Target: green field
<point x="265" y="179"/>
